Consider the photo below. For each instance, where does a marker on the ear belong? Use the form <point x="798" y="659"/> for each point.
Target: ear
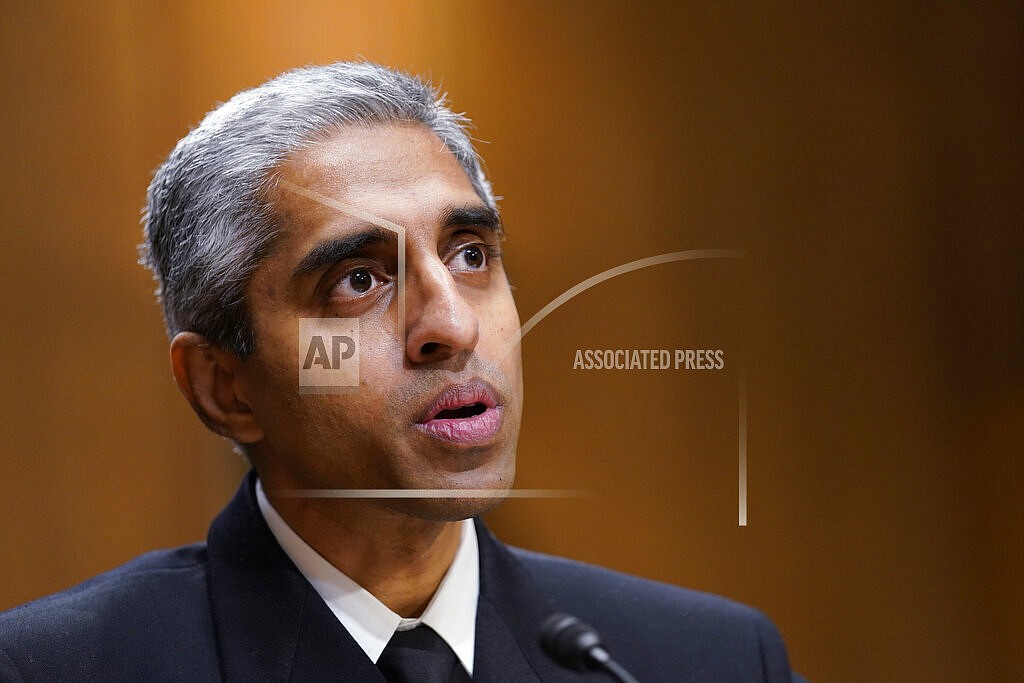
<point x="209" y="377"/>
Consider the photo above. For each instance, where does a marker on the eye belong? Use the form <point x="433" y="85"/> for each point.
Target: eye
<point x="355" y="283"/>
<point x="470" y="257"/>
<point x="360" y="281"/>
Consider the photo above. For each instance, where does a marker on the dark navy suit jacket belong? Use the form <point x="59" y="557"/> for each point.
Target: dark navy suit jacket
<point x="237" y="609"/>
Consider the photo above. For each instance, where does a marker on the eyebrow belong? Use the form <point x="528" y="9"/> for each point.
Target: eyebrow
<point x="477" y="216"/>
<point x="332" y="251"/>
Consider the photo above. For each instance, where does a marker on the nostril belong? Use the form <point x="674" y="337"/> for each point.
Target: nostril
<point x="429" y="348"/>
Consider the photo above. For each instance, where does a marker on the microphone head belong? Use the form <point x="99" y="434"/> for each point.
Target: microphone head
<point x="569" y="642"/>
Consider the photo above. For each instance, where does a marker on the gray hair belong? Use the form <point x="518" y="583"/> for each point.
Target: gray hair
<point x="207" y="222"/>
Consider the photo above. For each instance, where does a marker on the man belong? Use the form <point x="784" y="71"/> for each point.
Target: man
<point x="350" y="195"/>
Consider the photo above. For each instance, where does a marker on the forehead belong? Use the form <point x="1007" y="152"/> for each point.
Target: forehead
<point x="387" y="166"/>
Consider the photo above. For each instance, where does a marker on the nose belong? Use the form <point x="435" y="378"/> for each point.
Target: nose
<point x="440" y="323"/>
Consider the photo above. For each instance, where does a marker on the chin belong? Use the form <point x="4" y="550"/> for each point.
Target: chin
<point x="455" y="509"/>
<point x="449" y="509"/>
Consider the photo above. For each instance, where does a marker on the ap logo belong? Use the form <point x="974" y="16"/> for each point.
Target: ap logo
<point x="328" y="355"/>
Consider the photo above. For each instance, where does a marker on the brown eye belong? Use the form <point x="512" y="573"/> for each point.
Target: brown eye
<point x="356" y="283"/>
<point x="470" y="257"/>
<point x="474" y="257"/>
<point x="360" y="281"/>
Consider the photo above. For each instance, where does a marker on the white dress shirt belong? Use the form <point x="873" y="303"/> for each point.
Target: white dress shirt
<point x="451" y="612"/>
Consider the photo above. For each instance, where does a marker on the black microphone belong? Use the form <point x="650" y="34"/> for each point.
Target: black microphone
<point x="576" y="645"/>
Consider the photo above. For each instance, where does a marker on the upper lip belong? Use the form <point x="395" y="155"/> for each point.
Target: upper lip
<point x="461" y="395"/>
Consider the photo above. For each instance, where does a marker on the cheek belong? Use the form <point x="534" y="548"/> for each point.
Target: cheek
<point x="381" y="356"/>
<point x="273" y="385"/>
<point x="278" y="365"/>
<point x="499" y="320"/>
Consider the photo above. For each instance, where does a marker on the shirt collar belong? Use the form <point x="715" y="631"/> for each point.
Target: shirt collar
<point x="451" y="612"/>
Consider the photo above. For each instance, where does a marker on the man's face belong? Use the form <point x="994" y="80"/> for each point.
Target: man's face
<point x="439" y="400"/>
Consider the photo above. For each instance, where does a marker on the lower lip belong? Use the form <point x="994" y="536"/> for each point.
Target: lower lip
<point x="466" y="430"/>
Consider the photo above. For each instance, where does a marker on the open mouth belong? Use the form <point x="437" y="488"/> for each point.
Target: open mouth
<point x="459" y="413"/>
<point x="463" y="413"/>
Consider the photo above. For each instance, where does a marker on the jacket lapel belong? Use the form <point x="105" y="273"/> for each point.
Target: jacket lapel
<point x="270" y="624"/>
<point x="510" y="612"/>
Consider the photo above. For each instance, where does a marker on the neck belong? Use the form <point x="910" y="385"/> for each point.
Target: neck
<point x="398" y="558"/>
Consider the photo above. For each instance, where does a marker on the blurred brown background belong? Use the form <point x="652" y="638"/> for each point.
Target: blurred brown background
<point x="868" y="156"/>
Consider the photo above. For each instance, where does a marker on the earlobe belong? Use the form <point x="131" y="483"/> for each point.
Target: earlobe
<point x="208" y="377"/>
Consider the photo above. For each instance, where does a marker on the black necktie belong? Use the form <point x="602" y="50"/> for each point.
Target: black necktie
<point x="420" y="656"/>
